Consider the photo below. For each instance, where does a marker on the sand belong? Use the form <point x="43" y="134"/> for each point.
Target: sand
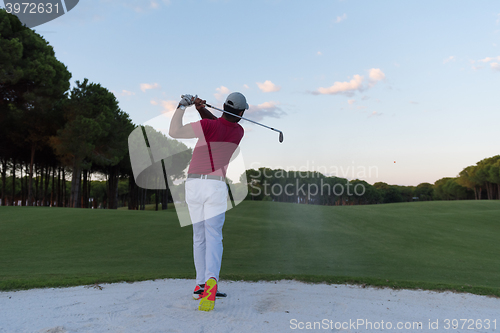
<point x="281" y="306"/>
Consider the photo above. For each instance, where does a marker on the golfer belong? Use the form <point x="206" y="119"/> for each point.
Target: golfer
<point x="206" y="189"/>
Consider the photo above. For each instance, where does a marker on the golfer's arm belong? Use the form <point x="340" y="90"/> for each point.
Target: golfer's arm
<point x="204" y="113"/>
<point x="177" y="130"/>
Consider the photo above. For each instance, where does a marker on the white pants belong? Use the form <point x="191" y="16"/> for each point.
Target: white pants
<point x="207" y="204"/>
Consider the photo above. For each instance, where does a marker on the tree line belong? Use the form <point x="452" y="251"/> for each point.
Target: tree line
<point x="480" y="181"/>
<point x="60" y="147"/>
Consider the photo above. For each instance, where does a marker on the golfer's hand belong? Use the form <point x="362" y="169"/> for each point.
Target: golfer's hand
<point x="188" y="100"/>
<point x="199" y="103"/>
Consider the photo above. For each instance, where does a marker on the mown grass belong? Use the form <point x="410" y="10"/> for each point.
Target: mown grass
<point x="429" y="245"/>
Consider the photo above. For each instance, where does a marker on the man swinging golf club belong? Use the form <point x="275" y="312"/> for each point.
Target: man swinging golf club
<point x="206" y="189"/>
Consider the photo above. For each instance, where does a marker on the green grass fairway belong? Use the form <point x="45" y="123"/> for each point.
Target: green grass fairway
<point x="433" y="245"/>
<point x="151" y="207"/>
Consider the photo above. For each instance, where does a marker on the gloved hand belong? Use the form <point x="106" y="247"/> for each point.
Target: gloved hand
<point x="188" y="100"/>
<point x="199" y="103"/>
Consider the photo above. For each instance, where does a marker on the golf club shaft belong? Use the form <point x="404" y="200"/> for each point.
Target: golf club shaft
<point x="232" y="114"/>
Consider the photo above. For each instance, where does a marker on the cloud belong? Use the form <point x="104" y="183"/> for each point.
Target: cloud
<point x="341" y="18"/>
<point x="375" y="114"/>
<point x="492" y="60"/>
<point x="127" y="93"/>
<point x="266" y="109"/>
<point x="147" y="86"/>
<point x="351" y="101"/>
<point x="450" y="58"/>
<point x="413" y="102"/>
<point x="123" y="93"/>
<point x="140" y="6"/>
<point x="488" y="59"/>
<point x="376" y="74"/>
<point x="347" y="87"/>
<point x="221" y="93"/>
<point x="268" y="86"/>
<point x="168" y="106"/>
<point x="319" y="53"/>
<point x="474" y="67"/>
<point x="357" y="83"/>
<point x="246" y="86"/>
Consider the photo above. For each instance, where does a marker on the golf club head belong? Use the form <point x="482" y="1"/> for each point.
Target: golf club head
<point x="281" y="137"/>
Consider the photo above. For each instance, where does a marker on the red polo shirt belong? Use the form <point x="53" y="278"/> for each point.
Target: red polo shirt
<point x="218" y="139"/>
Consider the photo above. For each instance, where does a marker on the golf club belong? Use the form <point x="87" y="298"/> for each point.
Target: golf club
<point x="213" y="107"/>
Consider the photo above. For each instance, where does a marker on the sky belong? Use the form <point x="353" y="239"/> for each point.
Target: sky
<point x="401" y="92"/>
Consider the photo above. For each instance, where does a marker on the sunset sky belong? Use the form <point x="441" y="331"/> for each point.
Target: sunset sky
<point x="408" y="88"/>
